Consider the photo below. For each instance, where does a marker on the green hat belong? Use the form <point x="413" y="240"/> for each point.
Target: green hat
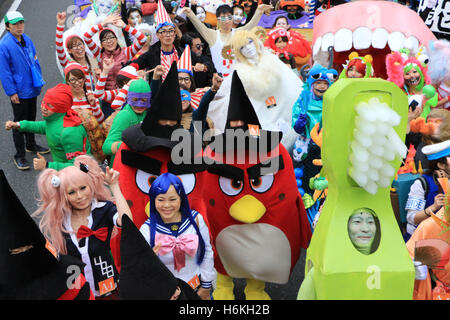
<point x="139" y="86"/>
<point x="12" y="17"/>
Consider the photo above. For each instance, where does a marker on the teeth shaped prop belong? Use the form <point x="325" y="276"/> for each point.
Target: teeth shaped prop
<point x="374" y="144"/>
<point x="362" y="38"/>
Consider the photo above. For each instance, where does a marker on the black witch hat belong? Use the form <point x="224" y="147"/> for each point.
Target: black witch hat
<point x="166" y="106"/>
<point x="28" y="270"/>
<point x="142" y="275"/>
<point x="250" y="135"/>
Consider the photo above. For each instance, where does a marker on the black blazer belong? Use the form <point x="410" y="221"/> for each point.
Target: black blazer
<point x="152" y="58"/>
<point x="99" y="252"/>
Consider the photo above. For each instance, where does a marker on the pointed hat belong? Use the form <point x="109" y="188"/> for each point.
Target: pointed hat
<point x="185" y="62"/>
<point x="162" y="17"/>
<point x="142" y="274"/>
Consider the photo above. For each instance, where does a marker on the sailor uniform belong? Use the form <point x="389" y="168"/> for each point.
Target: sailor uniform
<point x="205" y="271"/>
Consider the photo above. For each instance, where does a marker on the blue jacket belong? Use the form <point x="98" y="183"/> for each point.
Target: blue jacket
<point x="15" y="71"/>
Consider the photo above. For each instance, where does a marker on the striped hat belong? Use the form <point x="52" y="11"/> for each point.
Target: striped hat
<point x="162" y="17"/>
<point x="185" y="63"/>
<point x="71" y="66"/>
<point x="129" y="72"/>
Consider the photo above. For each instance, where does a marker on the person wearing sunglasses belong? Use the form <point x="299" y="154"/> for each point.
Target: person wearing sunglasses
<point x="217" y="39"/>
<point x="203" y="66"/>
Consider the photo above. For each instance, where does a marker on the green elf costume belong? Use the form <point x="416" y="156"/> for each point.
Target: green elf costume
<point x="63" y="129"/>
<point x="134" y="112"/>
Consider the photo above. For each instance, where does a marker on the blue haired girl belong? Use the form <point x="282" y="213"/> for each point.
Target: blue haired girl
<point x="180" y="235"/>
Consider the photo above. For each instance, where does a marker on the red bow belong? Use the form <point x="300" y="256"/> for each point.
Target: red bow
<point x="100" y="234"/>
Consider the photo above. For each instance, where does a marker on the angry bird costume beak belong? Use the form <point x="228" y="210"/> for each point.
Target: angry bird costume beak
<point x="247" y="209"/>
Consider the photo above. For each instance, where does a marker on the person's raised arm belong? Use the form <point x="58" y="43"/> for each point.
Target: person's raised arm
<point x="256" y="17"/>
<point x="112" y="179"/>
<point x="208" y="34"/>
<point x="61" y="53"/>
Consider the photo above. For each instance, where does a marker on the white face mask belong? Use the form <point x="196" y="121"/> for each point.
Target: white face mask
<point x="134" y="18"/>
<point x="104" y="6"/>
<point x="249" y="50"/>
<point x="201" y="15"/>
<point x="237" y="18"/>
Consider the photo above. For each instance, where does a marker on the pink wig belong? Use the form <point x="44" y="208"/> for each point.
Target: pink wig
<point x="394" y="68"/>
<point x="53" y="198"/>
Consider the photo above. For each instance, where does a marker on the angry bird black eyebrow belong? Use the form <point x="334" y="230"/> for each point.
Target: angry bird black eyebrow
<point x="183" y="168"/>
<point x="271" y="166"/>
<point x="227" y="171"/>
<point x="141" y="162"/>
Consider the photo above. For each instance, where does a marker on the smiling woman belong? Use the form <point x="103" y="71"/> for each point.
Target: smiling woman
<point x="79" y="217"/>
<point x="364" y="231"/>
<point x="171" y="221"/>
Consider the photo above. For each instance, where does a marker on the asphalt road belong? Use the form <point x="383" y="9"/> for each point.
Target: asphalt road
<point x="40" y="25"/>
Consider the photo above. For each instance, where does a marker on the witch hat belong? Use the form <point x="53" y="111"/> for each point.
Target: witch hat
<point x="165" y="106"/>
<point x="28" y="270"/>
<point x="240" y="108"/>
<point x="185" y="62"/>
<point x="22" y="244"/>
<point x="143" y="276"/>
<point x="162" y="17"/>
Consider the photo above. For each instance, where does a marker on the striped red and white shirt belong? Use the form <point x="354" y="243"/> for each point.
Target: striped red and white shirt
<point x="196" y="97"/>
<point x="84" y="104"/>
<point x="131" y="51"/>
<point x="64" y="59"/>
<point x="115" y="97"/>
<point x="167" y="60"/>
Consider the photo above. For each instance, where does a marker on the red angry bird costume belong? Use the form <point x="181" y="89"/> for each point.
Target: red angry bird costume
<point x="256" y="215"/>
<point x="146" y="153"/>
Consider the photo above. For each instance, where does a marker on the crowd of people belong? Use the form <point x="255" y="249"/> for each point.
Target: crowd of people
<point x="142" y="225"/>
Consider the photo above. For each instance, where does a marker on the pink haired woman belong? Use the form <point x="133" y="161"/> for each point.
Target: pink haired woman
<point x="79" y="216"/>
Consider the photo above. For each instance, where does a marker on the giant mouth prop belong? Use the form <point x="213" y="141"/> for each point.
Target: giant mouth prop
<point x="368" y="27"/>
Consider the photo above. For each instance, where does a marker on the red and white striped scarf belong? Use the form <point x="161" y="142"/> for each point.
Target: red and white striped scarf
<point x="167" y="60"/>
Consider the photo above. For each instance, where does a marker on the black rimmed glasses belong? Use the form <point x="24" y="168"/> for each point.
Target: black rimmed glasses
<point x="169" y="32"/>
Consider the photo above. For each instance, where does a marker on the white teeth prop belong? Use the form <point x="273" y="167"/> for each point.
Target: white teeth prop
<point x="327" y="41"/>
<point x="396" y="41"/>
<point x="375" y="143"/>
<point x="362" y="38"/>
<point x="343" y="40"/>
<point x="317" y="45"/>
<point x="379" y="38"/>
<point x="412" y="44"/>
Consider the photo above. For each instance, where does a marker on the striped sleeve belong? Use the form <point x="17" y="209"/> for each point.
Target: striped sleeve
<point x="95" y="49"/>
<point x="138" y="43"/>
<point x="101" y="94"/>
<point x="121" y="98"/>
<point x="97" y="112"/>
<point x="60" y="52"/>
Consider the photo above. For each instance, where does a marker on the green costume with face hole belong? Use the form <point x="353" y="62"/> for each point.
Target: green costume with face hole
<point x="335" y="268"/>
